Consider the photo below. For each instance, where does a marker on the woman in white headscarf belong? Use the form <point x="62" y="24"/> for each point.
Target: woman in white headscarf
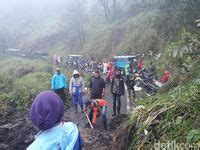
<point x="76" y="88"/>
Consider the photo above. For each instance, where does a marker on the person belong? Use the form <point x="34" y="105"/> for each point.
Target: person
<point x="130" y="83"/>
<point x="76" y="89"/>
<point x="105" y="67"/>
<point x="59" y="83"/>
<point x="133" y="66"/>
<point x="140" y="65"/>
<point x="117" y="89"/>
<point x="111" y="70"/>
<point x="97" y="106"/>
<point x="165" y="78"/>
<point x="97" y="86"/>
<point x="46" y="113"/>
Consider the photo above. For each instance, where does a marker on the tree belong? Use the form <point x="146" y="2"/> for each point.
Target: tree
<point x="74" y="21"/>
<point x="110" y="7"/>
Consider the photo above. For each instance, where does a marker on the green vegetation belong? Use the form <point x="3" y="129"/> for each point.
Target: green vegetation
<point x="173" y="114"/>
<point x="21" y="80"/>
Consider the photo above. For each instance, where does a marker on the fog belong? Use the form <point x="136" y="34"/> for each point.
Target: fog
<point x="36" y="8"/>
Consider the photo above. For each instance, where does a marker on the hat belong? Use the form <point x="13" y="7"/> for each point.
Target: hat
<point x="75" y="72"/>
<point x="58" y="69"/>
<point x="46" y="110"/>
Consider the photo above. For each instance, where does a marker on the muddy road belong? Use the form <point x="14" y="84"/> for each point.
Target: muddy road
<point x="17" y="132"/>
<point x="98" y="139"/>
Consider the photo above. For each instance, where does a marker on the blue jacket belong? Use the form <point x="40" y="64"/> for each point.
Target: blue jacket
<point x="58" y="81"/>
<point x="64" y="136"/>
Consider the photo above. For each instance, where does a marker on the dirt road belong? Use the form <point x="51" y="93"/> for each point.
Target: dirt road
<point x="98" y="139"/>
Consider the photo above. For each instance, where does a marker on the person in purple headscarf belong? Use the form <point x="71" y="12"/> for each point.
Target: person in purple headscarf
<point x="46" y="113"/>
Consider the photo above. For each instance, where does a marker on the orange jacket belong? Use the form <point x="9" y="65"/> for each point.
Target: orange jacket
<point x="96" y="109"/>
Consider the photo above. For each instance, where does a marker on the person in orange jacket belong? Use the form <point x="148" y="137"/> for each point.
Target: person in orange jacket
<point x="97" y="106"/>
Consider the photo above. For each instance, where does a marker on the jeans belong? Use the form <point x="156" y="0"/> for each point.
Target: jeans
<point x="103" y="113"/>
<point x="116" y="99"/>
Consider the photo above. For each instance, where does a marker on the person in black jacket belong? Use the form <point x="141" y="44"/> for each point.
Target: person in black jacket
<point x="97" y="86"/>
<point x="117" y="89"/>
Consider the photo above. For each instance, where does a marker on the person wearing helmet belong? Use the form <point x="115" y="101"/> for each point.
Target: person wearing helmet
<point x="59" y="83"/>
<point x="76" y="89"/>
<point x="46" y="113"/>
<point x="97" y="106"/>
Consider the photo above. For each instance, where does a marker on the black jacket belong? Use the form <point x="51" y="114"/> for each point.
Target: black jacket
<point x="121" y="86"/>
<point x="97" y="85"/>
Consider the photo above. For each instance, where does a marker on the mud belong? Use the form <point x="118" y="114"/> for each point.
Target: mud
<point x="17" y="131"/>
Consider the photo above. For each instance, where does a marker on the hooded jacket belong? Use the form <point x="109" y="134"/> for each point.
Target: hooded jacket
<point x="46" y="112"/>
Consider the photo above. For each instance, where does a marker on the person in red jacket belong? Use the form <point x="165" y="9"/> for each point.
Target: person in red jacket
<point x="97" y="106"/>
<point x="165" y="78"/>
<point x="140" y="65"/>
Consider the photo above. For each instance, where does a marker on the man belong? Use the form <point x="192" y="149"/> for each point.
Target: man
<point x="97" y="86"/>
<point x="59" y="83"/>
<point x="97" y="106"/>
<point x="76" y="88"/>
<point x="117" y="89"/>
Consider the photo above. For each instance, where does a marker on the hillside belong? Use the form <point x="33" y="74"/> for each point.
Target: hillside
<point x="138" y="27"/>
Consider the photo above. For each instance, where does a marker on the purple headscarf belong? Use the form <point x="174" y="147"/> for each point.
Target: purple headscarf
<point x="46" y="110"/>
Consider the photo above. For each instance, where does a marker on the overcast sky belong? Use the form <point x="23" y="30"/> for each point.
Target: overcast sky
<point x="15" y="8"/>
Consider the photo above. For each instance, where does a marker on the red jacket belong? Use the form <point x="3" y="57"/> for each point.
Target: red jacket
<point x="165" y="78"/>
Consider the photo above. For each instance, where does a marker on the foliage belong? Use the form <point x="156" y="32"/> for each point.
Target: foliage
<point x="30" y="85"/>
<point x="169" y="116"/>
<point x="21" y="80"/>
<point x="173" y="114"/>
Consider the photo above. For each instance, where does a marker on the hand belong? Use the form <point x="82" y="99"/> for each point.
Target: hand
<point x="93" y="125"/>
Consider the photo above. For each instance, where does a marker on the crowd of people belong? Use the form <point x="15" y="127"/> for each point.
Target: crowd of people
<point x="84" y="64"/>
<point x="48" y="107"/>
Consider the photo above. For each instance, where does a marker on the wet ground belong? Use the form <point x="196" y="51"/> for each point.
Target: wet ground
<point x="17" y="132"/>
<point x="99" y="139"/>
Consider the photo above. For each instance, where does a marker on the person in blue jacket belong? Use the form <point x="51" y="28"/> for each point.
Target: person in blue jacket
<point x="59" y="83"/>
<point x="46" y="113"/>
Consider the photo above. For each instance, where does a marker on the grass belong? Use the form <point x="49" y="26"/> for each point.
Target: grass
<point x="21" y="80"/>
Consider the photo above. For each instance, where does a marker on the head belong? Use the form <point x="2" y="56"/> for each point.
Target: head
<point x="88" y="103"/>
<point x="58" y="70"/>
<point x="96" y="74"/>
<point x="118" y="72"/>
<point x="76" y="74"/>
<point x="46" y="110"/>
<point x="91" y="103"/>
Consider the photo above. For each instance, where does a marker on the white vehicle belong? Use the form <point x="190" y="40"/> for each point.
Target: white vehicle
<point x="75" y="56"/>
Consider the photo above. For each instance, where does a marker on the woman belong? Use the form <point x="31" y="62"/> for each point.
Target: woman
<point x="46" y="113"/>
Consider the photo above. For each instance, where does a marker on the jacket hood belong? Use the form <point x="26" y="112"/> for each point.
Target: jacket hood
<point x="46" y="110"/>
<point x="75" y="72"/>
